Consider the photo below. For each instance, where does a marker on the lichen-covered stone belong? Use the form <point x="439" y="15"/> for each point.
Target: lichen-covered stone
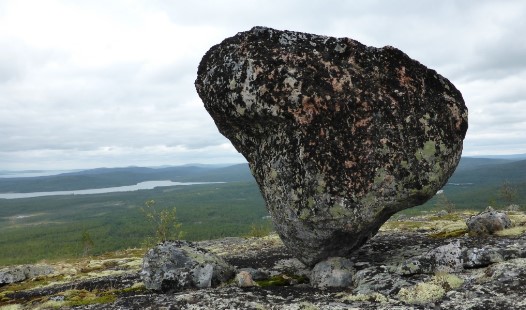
<point x="339" y="135"/>
<point x="333" y="272"/>
<point x="24" y="272"/>
<point x="488" y="222"/>
<point x="178" y="265"/>
<point x="445" y="258"/>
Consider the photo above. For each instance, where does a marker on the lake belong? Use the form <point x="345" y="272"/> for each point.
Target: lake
<point x="129" y="188"/>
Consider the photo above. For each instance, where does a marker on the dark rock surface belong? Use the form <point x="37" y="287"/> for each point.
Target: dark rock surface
<point x="493" y="275"/>
<point x="339" y="135"/>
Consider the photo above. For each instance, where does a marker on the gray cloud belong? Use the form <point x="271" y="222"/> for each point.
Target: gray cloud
<point x="110" y="84"/>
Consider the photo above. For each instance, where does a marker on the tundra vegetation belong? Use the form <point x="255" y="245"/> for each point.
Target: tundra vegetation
<point x="59" y="227"/>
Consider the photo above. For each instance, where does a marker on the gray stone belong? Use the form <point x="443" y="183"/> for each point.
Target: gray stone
<point x="442" y="213"/>
<point x="339" y="135"/>
<point x="177" y="265"/>
<point x="24" y="272"/>
<point x="256" y="274"/>
<point x="446" y="258"/>
<point x="513" y="208"/>
<point x="377" y="280"/>
<point x="477" y="258"/>
<point x="333" y="272"/>
<point x="244" y="279"/>
<point x="488" y="222"/>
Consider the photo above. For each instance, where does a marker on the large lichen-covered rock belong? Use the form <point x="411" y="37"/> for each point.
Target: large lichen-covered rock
<point x="178" y="265"/>
<point x="338" y="135"/>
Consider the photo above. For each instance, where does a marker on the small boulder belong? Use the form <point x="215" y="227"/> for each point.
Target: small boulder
<point x="333" y="272"/>
<point x="513" y="208"/>
<point x="256" y="274"/>
<point x="446" y="258"/>
<point x="178" y="265"/>
<point x="378" y="280"/>
<point x="477" y="258"/>
<point x="21" y="273"/>
<point x="244" y="279"/>
<point x="488" y="222"/>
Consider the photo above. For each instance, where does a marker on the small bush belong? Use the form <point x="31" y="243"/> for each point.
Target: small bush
<point x="164" y="223"/>
<point x="259" y="230"/>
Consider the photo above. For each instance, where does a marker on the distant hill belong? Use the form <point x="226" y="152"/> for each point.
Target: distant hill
<point x="469" y="163"/>
<point x="110" y="177"/>
<point x="487" y="171"/>
<point x="475" y="182"/>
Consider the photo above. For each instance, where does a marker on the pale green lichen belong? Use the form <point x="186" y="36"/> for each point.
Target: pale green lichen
<point x="339" y="211"/>
<point x="307" y="306"/>
<point x="427" y="152"/>
<point x="421" y="293"/>
<point x="310" y="202"/>
<point x="11" y="307"/>
<point x="431" y="291"/>
<point x="373" y="297"/>
<point x="304" y="214"/>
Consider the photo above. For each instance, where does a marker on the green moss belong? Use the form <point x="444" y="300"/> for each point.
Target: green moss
<point x="449" y="234"/>
<point x="514" y="231"/>
<point x="11" y="307"/>
<point x="405" y="225"/>
<point x="282" y="280"/>
<point x="447" y="217"/>
<point x="106" y="299"/>
<point x="38" y="282"/>
<point x="74" y="298"/>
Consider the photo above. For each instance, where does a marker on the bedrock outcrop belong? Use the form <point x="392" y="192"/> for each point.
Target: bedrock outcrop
<point x="339" y="135"/>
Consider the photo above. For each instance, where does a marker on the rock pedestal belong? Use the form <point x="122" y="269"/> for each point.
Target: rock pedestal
<point x="339" y="135"/>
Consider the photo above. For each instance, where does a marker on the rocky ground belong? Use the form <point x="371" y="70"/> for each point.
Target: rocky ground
<point x="408" y="265"/>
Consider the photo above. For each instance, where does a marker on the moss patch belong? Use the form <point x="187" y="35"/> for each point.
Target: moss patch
<point x="11" y="307"/>
<point x="283" y="280"/>
<point x="405" y="225"/>
<point x="514" y="231"/>
<point x="74" y="298"/>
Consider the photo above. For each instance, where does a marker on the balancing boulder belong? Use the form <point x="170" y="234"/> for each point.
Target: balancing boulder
<point x="339" y="135"/>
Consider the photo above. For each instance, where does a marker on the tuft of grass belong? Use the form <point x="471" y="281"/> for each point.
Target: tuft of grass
<point x="259" y="230"/>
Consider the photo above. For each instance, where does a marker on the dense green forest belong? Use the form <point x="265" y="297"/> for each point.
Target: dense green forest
<point x="33" y="229"/>
<point x="55" y="227"/>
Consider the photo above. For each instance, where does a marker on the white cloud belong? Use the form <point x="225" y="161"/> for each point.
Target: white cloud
<point x="110" y="83"/>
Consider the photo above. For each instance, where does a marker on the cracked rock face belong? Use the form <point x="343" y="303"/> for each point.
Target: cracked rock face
<point x="338" y="135"/>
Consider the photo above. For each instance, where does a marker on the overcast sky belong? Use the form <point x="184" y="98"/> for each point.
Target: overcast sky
<point x="87" y="84"/>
